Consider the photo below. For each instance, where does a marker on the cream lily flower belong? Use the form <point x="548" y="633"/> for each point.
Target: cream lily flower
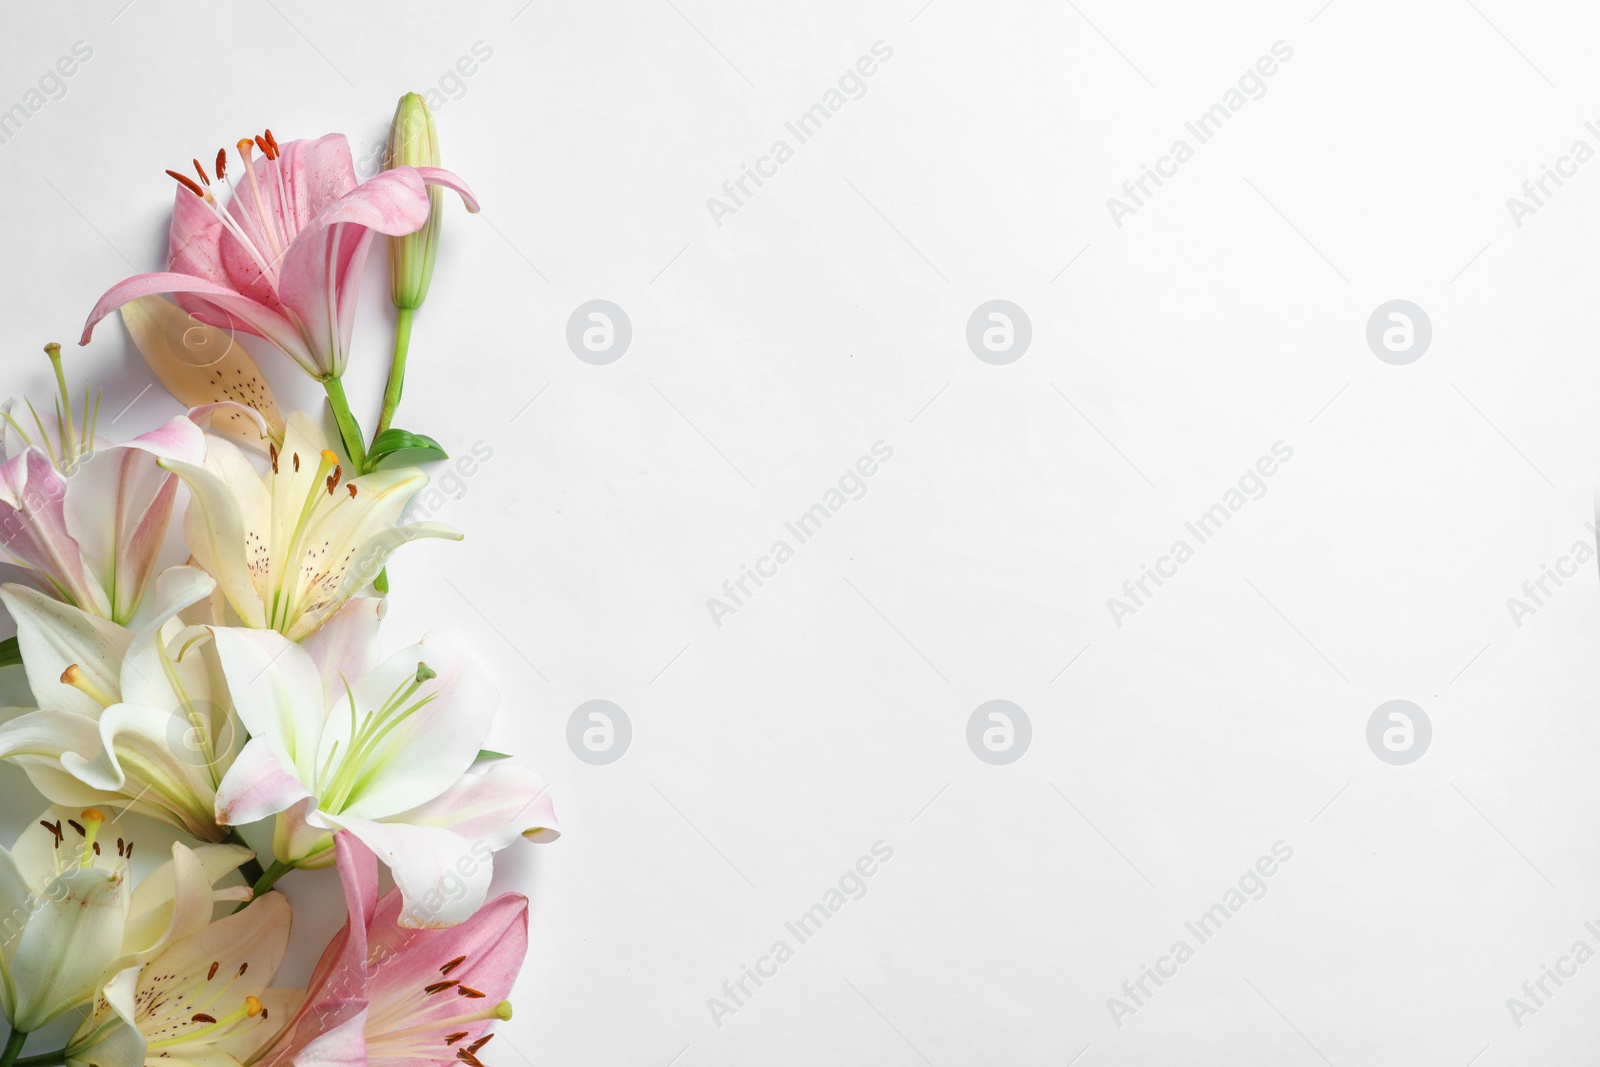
<point x="203" y="1001"/>
<point x="289" y="548"/>
<point x="386" y="755"/>
<point x="132" y="720"/>
<point x="70" y="919"/>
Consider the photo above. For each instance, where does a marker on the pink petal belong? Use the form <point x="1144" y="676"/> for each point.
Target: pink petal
<point x="320" y="277"/>
<point x="494" y="942"/>
<point x="443" y="876"/>
<point x="235" y="308"/>
<point x="33" y="526"/>
<point x="256" y="786"/>
<point x="448" y="180"/>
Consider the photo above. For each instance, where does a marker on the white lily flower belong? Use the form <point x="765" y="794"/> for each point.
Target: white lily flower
<point x="70" y="920"/>
<point x="131" y="720"/>
<point x="203" y="1001"/>
<point x="289" y="548"/>
<point x="386" y="755"/>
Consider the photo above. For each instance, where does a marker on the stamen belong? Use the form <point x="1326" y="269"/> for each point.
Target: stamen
<point x="205" y="179"/>
<point x="272" y="450"/>
<point x="74" y="677"/>
<point x="352" y="487"/>
<point x="451" y="1039"/>
<point x="222" y="163"/>
<point x="482" y="1041"/>
<point x="188" y="183"/>
<point x="469" y="992"/>
<point x="439" y="987"/>
<point x="55" y="828"/>
<point x="468" y="1058"/>
<point x="263" y="217"/>
<point x="452" y="965"/>
<point x="202" y="1017"/>
<point x="297" y="463"/>
<point x="266" y="149"/>
<point x="93" y="818"/>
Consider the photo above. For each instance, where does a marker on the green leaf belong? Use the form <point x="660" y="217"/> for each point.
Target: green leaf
<point x="10" y="653"/>
<point x="486" y="754"/>
<point x="419" y="448"/>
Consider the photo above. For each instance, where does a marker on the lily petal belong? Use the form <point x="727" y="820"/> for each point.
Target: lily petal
<point x="256" y="317"/>
<point x="499" y="805"/>
<point x="54" y="636"/>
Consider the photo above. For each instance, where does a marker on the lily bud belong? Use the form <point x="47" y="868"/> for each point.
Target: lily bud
<point x="413" y="142"/>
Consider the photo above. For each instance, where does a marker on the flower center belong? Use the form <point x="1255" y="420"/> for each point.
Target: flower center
<point x="72" y="444"/>
<point x="299" y="569"/>
<point x="416" y="1019"/>
<point x="361" y="762"/>
<point x="265" y="236"/>
<point x="211" y="1027"/>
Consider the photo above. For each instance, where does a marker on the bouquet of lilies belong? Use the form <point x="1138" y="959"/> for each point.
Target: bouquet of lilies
<point x="241" y="697"/>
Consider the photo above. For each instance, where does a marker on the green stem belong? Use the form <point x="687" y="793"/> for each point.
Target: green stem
<point x="44" y="1059"/>
<point x="14" y="1045"/>
<point x="250" y="868"/>
<point x="268" y="879"/>
<point x="397" y="369"/>
<point x="349" y="429"/>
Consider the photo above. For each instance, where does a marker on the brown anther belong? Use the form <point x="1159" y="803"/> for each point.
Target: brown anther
<point x="202" y="1017"/>
<point x="297" y="463"/>
<point x="222" y="163"/>
<point x="78" y="826"/>
<point x="482" y="1041"/>
<point x="187" y="182"/>
<point x="212" y="972"/>
<point x="272" y="450"/>
<point x="468" y="991"/>
<point x="468" y="1058"/>
<point x="54" y="828"/>
<point x="273" y="141"/>
<point x="266" y="149"/>
<point x="332" y="483"/>
<point x="451" y="1039"/>
<point x="243" y="967"/>
<point x="438" y="987"/>
<point x="352" y="487"/>
<point x="205" y="179"/>
<point x="452" y="965"/>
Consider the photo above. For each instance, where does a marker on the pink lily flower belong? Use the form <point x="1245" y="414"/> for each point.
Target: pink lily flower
<point x="283" y="259"/>
<point x="386" y="995"/>
<point x="86" y="517"/>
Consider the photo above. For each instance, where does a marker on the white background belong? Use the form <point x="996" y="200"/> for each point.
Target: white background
<point x="829" y="313"/>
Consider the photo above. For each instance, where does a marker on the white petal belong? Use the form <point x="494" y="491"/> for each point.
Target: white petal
<point x="443" y="876"/>
<point x="277" y="692"/>
<point x="69" y="944"/>
<point x="430" y="751"/>
<point x="346" y="646"/>
<point x="498" y="806"/>
<point x="54" y="636"/>
<point x="215" y="529"/>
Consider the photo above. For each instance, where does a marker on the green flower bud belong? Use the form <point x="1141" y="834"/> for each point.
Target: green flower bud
<point x="413" y="142"/>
